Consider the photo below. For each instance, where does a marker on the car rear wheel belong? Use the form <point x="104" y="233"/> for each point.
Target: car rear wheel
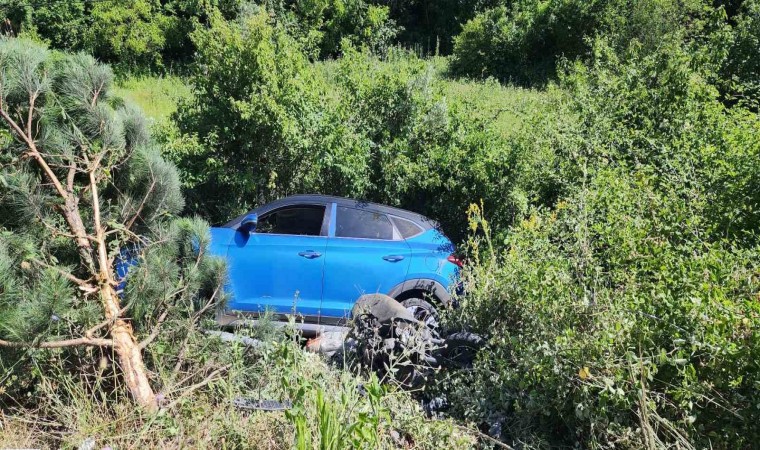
<point x="422" y="311"/>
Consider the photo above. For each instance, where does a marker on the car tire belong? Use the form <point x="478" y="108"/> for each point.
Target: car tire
<point x="462" y="348"/>
<point x="422" y="311"/>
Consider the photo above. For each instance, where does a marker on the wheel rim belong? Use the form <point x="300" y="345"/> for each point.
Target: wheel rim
<point x="423" y="315"/>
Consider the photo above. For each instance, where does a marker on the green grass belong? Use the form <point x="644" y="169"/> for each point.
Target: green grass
<point x="505" y="107"/>
<point x="157" y="96"/>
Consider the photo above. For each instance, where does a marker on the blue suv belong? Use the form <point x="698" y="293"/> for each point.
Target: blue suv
<point x="316" y="255"/>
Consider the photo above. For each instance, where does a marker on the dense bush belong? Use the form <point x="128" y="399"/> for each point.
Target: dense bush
<point x="148" y="34"/>
<point x="626" y="315"/>
<point x="429" y="153"/>
<point x="155" y="35"/>
<point x="320" y="26"/>
<point x="259" y="127"/>
<point x="429" y="27"/>
<point x="741" y="74"/>
<point x="60" y="24"/>
<point x="131" y="34"/>
<point x="523" y="41"/>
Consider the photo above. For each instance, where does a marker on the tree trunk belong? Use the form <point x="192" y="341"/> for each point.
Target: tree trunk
<point x="130" y="359"/>
<point x="128" y="352"/>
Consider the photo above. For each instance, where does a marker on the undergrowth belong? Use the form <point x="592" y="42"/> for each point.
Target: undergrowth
<point x="331" y="409"/>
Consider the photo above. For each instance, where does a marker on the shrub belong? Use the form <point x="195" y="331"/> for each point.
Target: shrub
<point x="523" y="42"/>
<point x="144" y="35"/>
<point x="429" y="153"/>
<point x="741" y="73"/>
<point x="262" y="123"/>
<point x="131" y="35"/>
<point x="320" y="26"/>
<point x="379" y="129"/>
<point x="625" y="314"/>
<point x="607" y="330"/>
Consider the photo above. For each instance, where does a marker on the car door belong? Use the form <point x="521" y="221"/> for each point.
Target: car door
<point x="279" y="265"/>
<point x="365" y="255"/>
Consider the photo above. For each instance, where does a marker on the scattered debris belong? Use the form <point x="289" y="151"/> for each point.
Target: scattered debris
<point x="262" y="405"/>
<point x="392" y="342"/>
<point x="231" y="337"/>
<point x="327" y="343"/>
<point x="87" y="444"/>
<point x="387" y="338"/>
<point x="435" y="406"/>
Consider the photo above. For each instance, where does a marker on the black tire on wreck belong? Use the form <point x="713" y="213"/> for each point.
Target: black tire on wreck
<point x="462" y="348"/>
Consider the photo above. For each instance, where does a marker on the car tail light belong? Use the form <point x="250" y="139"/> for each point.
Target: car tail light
<point x="454" y="260"/>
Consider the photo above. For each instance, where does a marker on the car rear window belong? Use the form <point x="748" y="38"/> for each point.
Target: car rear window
<point x="407" y="228"/>
<point x="301" y="220"/>
<point x="358" y="223"/>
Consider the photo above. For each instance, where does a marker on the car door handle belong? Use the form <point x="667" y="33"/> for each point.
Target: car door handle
<point x="310" y="254"/>
<point x="393" y="258"/>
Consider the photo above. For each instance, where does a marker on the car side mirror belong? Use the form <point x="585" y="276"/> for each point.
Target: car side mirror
<point x="248" y="225"/>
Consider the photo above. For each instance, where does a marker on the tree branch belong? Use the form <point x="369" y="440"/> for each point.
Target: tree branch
<point x="212" y="377"/>
<point x="70" y="177"/>
<point x="99" y="236"/>
<point x="142" y="205"/>
<point x="30" y="114"/>
<point x="102" y="324"/>
<point x="69" y="211"/>
<point x="156" y="330"/>
<point x="95" y="95"/>
<point x="34" y="152"/>
<point x="97" y="342"/>
<point x="65" y="274"/>
<point x="193" y="320"/>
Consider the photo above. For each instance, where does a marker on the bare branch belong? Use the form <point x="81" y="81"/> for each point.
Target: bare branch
<point x="65" y="274"/>
<point x="99" y="236"/>
<point x="156" y="330"/>
<point x="142" y="205"/>
<point x="193" y="320"/>
<point x="70" y="177"/>
<point x="30" y="114"/>
<point x="95" y="95"/>
<point x="211" y="377"/>
<point x="96" y="342"/>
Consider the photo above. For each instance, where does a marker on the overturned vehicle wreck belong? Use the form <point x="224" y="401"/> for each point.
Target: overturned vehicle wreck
<point x="385" y="337"/>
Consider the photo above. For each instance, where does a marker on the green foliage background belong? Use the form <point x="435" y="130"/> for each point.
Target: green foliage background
<point x="609" y="147"/>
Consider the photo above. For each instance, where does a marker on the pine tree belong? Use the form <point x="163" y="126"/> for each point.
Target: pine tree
<point x="82" y="186"/>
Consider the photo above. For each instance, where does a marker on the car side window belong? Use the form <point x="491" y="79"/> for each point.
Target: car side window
<point x="407" y="228"/>
<point x="304" y="220"/>
<point x="359" y="223"/>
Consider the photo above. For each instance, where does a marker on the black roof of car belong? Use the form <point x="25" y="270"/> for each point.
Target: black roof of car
<point x="417" y="218"/>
